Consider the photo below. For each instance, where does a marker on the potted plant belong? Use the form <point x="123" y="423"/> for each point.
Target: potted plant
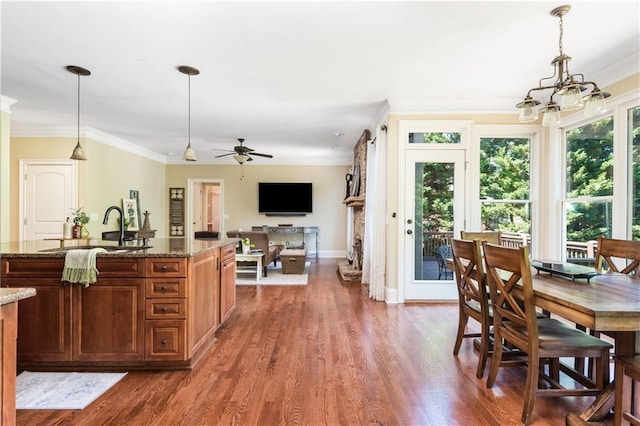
<point x="80" y="219"/>
<point x="246" y="245"/>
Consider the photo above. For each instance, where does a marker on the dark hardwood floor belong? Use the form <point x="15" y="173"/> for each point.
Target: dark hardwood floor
<point x="321" y="354"/>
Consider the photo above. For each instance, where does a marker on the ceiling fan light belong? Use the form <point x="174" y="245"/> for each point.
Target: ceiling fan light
<point x="78" y="153"/>
<point x="189" y="155"/>
<point x="241" y="158"/>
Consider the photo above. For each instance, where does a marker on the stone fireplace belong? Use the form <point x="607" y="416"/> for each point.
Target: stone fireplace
<point x="351" y="268"/>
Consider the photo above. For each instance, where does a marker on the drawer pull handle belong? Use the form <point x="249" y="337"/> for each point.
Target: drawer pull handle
<point x="163" y="288"/>
<point x="163" y="309"/>
<point x="163" y="267"/>
<point x="164" y="341"/>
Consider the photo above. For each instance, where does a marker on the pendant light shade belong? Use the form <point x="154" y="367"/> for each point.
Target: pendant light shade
<point x="189" y="155"/>
<point x="78" y="151"/>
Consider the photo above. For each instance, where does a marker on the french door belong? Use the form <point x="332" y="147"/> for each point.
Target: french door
<point x="433" y="214"/>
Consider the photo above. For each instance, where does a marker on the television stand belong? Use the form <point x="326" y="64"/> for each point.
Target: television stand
<point x="279" y="231"/>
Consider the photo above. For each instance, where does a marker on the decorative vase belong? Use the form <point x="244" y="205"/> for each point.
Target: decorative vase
<point x="77" y="231"/>
<point x="84" y="231"/>
<point x="246" y="249"/>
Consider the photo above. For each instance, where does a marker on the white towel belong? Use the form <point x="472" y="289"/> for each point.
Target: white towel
<point x="80" y="266"/>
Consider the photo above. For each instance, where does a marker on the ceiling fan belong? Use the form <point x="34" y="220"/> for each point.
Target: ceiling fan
<point x="243" y="153"/>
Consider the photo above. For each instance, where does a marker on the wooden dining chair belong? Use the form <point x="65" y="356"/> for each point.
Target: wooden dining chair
<point x="473" y="297"/>
<point x="610" y="249"/>
<point x="491" y="237"/>
<point x="544" y="340"/>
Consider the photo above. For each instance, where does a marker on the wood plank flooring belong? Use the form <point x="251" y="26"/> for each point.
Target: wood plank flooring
<point x="321" y="354"/>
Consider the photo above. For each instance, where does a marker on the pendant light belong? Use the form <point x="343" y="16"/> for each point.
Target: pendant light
<point x="189" y="155"/>
<point x="566" y="86"/>
<point x="78" y="151"/>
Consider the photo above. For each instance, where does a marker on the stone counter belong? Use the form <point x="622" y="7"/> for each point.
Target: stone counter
<point x="157" y="247"/>
<point x="10" y="295"/>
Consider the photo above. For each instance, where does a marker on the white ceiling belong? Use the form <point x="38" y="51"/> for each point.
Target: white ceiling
<point x="289" y="76"/>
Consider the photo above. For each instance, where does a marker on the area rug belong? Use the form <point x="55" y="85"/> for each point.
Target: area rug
<point x="61" y="391"/>
<point x="275" y="277"/>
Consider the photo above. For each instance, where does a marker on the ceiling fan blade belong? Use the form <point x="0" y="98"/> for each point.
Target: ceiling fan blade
<point x="224" y="155"/>
<point x="261" y="155"/>
<point x="224" y="150"/>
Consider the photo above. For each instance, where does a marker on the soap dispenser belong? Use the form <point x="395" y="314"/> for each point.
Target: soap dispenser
<point x="67" y="230"/>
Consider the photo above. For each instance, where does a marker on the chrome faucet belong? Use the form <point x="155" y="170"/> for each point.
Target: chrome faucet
<point x="106" y="221"/>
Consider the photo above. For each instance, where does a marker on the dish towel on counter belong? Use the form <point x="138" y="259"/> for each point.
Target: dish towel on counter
<point x="80" y="266"/>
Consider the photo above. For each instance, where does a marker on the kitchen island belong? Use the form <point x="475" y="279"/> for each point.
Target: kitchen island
<point x="152" y="307"/>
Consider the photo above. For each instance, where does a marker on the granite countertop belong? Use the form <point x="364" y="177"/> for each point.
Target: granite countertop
<point x="10" y="295"/>
<point x="156" y="247"/>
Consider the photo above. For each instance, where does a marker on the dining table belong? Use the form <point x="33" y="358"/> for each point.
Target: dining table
<point x="606" y="302"/>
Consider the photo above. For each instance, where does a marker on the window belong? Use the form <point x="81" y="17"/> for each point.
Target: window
<point x="504" y="187"/>
<point x="435" y="138"/>
<point x="589" y="182"/>
<point x="634" y="159"/>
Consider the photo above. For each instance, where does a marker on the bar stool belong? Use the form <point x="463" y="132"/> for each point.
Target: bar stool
<point x="627" y="388"/>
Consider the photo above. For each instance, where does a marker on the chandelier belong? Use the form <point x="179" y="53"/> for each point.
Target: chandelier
<point x="568" y="88"/>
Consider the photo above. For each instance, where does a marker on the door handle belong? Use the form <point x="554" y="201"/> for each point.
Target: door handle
<point x="409" y="232"/>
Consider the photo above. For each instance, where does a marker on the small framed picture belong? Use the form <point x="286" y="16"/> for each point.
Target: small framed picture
<point x="135" y="194"/>
<point x="130" y="210"/>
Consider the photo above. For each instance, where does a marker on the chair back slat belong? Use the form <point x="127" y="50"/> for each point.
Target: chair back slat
<point x="508" y="268"/>
<point x="491" y="237"/>
<point x="469" y="272"/>
<point x="610" y="249"/>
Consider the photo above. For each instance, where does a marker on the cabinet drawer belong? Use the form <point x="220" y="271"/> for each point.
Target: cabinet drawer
<point x="32" y="267"/>
<point x="166" y="287"/>
<point x="167" y="267"/>
<point x="166" y="308"/>
<point x="165" y="340"/>
<point x="228" y="251"/>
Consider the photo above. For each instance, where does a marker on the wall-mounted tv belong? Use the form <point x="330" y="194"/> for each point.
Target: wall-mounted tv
<point x="285" y="198"/>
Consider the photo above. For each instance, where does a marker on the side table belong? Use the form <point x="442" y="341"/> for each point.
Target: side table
<point x="250" y="258"/>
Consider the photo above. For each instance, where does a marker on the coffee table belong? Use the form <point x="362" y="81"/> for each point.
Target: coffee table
<point x="250" y="258"/>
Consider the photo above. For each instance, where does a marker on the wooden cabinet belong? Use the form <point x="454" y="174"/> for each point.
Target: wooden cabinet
<point x="108" y="320"/>
<point x="227" y="282"/>
<point x="166" y="309"/>
<point x="143" y="312"/>
<point x="48" y="340"/>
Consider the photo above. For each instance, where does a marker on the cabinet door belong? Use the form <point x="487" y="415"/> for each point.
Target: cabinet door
<point x="204" y="284"/>
<point x="44" y="321"/>
<point x="227" y="287"/>
<point x="108" y="319"/>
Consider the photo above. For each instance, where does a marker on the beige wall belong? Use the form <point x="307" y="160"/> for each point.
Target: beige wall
<point x="103" y="180"/>
<point x="240" y="196"/>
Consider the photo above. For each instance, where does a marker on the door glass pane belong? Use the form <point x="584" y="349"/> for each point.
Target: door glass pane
<point x="435" y="137"/>
<point x="433" y="219"/>
<point x="634" y="142"/>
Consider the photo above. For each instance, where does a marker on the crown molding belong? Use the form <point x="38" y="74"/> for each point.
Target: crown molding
<point x="617" y="71"/>
<point x="5" y="103"/>
<point x="92" y="134"/>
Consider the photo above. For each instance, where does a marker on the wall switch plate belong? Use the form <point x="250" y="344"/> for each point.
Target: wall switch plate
<point x="94" y="216"/>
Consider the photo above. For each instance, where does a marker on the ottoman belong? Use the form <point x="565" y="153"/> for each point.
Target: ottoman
<point x="293" y="260"/>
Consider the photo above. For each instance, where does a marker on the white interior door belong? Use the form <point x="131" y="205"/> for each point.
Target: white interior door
<point x="433" y="213"/>
<point x="47" y="193"/>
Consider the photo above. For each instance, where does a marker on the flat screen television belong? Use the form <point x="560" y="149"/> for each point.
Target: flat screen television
<point x="285" y="198"/>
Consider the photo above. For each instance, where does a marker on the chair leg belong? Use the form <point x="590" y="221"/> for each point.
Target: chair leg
<point x="484" y="350"/>
<point x="462" y="323"/>
<point x="496" y="359"/>
<point x="530" y="388"/>
<point x="264" y="271"/>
